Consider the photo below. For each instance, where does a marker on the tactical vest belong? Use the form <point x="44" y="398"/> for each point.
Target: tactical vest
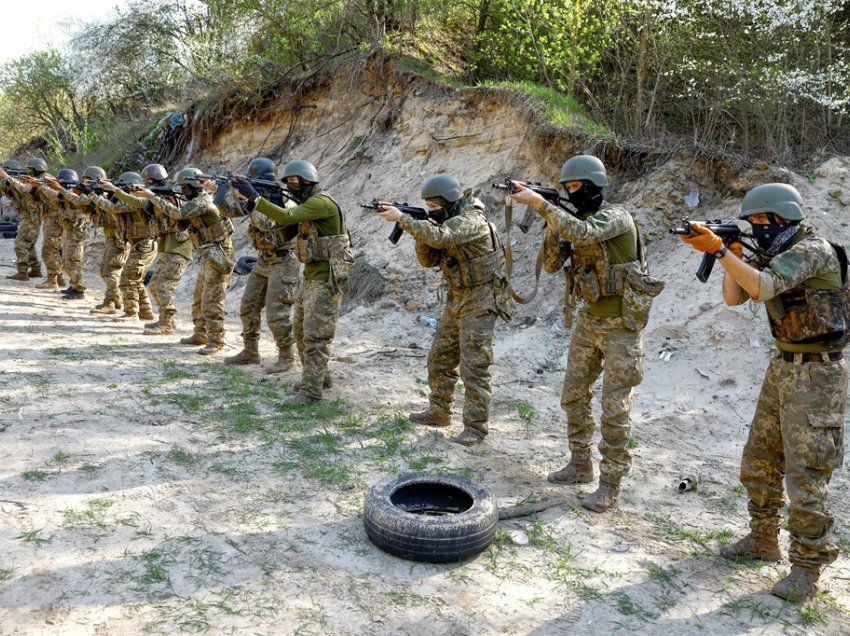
<point x="271" y="238"/>
<point x="591" y="276"/>
<point x="312" y="248"/>
<point x="164" y="224"/>
<point x="210" y="228"/>
<point x="139" y="225"/>
<point x="806" y="315"/>
<point x="471" y="271"/>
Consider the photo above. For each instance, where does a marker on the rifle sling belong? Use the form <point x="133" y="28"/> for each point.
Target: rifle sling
<point x="509" y="257"/>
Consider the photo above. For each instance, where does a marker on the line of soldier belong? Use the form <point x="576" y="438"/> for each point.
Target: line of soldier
<point x="796" y="435"/>
<point x="143" y="215"/>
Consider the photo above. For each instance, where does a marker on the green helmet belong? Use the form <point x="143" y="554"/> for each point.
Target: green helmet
<point x="584" y="168"/>
<point x="188" y="176"/>
<point x="442" y="185"/>
<point x="264" y="168"/>
<point x="129" y="178"/>
<point x="300" y="168"/>
<point x="37" y="165"/>
<point x="154" y="172"/>
<point x="66" y="175"/>
<point x="12" y="164"/>
<point x="779" y="198"/>
<point x="94" y="173"/>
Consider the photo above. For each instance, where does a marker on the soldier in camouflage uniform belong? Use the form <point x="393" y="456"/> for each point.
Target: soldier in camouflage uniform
<point x="174" y="249"/>
<point x="116" y="249"/>
<point x="30" y="211"/>
<point x="797" y="431"/>
<point x="607" y="270"/>
<point x="323" y="246"/>
<point x="210" y="234"/>
<point x="273" y="281"/>
<point x="140" y="231"/>
<point x="464" y="245"/>
<point x="73" y="209"/>
<point x="52" y="235"/>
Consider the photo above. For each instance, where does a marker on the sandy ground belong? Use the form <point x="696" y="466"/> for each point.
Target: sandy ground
<point x="144" y="488"/>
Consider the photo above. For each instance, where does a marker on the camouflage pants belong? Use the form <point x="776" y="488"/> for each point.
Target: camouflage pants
<point x="169" y="271"/>
<point x="28" y="229"/>
<point x="316" y="315"/>
<point x="133" y="291"/>
<point x="115" y="252"/>
<point x="208" y="300"/>
<point x="273" y="284"/>
<point x="797" y="432"/>
<point x="73" y="250"/>
<point x="51" y="244"/>
<point x="464" y="344"/>
<point x="599" y="343"/>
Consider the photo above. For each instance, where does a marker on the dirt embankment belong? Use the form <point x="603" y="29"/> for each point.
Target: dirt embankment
<point x="145" y="488"/>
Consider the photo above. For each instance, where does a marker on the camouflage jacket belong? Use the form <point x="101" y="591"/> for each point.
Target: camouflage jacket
<point x="71" y="206"/>
<point x="470" y="257"/>
<point x="207" y="225"/>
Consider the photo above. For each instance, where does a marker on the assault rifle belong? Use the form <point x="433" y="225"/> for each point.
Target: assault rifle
<point x="421" y="214"/>
<point x="165" y="189"/>
<point x="728" y="231"/>
<point x="267" y="188"/>
<point x="549" y="194"/>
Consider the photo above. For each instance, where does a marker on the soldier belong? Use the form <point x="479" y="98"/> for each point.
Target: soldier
<point x="323" y="246"/>
<point x="273" y="281"/>
<point x="140" y="231"/>
<point x="73" y="214"/>
<point x="608" y="271"/>
<point x="30" y="211"/>
<point x="52" y="236"/>
<point x="798" y="427"/>
<point x="464" y="245"/>
<point x="210" y="234"/>
<point x="116" y="249"/>
<point x="173" y="247"/>
<point x="9" y="211"/>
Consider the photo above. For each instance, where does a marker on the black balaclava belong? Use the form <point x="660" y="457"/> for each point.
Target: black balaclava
<point x="446" y="210"/>
<point x="587" y="199"/>
<point x="303" y="191"/>
<point x="774" y="238"/>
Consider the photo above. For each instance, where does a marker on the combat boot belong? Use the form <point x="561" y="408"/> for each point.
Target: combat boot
<point x="468" y="437"/>
<point x="431" y="417"/>
<point x="211" y="348"/>
<point x="195" y="339"/>
<point x="18" y="276"/>
<point x="248" y="355"/>
<point x="577" y="471"/>
<point x="126" y="317"/>
<point x="799" y="585"/>
<point x="49" y="283"/>
<point x="161" y="328"/>
<point x="302" y="400"/>
<point x="603" y="499"/>
<point x="35" y="271"/>
<point x="104" y="308"/>
<point x="74" y="294"/>
<point x="327" y="383"/>
<point x="285" y="361"/>
<point x="754" y="547"/>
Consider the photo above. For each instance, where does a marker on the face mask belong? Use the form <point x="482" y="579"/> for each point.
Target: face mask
<point x="773" y="239"/>
<point x="587" y="199"/>
<point x="188" y="191"/>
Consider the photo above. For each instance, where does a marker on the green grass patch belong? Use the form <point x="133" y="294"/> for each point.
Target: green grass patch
<point x="182" y="457"/>
<point x="35" y="475"/>
<point x="6" y="574"/>
<point x="35" y="537"/>
<point x="92" y="516"/>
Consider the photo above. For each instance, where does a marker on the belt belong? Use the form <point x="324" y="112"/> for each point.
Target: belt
<point x="799" y="358"/>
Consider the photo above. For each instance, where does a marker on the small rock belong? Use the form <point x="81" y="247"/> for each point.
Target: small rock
<point x="428" y="321"/>
<point x="411" y="305"/>
<point x="518" y="537"/>
<point x="621" y="548"/>
<point x="762" y="165"/>
<point x="835" y="194"/>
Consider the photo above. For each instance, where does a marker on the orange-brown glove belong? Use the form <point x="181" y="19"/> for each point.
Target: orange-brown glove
<point x="737" y="249"/>
<point x="703" y="239"/>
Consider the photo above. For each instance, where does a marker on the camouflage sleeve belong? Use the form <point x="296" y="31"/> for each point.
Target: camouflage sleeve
<point x="231" y="209"/>
<point x="602" y="226"/>
<point x="132" y="201"/>
<point x="427" y="255"/>
<point x="102" y="204"/>
<point x="553" y="256"/>
<point x="165" y="206"/>
<point x="19" y="186"/>
<point x="456" y="231"/>
<point x="790" y="269"/>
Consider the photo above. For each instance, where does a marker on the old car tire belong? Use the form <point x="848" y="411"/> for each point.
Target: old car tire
<point x="434" y="517"/>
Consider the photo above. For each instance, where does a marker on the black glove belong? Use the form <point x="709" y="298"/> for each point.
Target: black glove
<point x="244" y="187"/>
<point x="221" y="191"/>
<point x="83" y="188"/>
